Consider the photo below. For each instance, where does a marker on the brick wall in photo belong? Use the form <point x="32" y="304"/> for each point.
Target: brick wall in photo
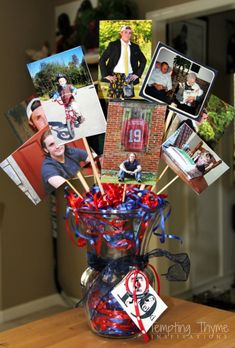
<point x="113" y="151"/>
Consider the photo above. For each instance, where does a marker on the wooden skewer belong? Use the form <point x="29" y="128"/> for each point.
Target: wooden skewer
<point x="154" y="187"/>
<point x="159" y="178"/>
<point x="73" y="188"/>
<point x="169" y="183"/>
<point x="162" y="173"/>
<point x="95" y="171"/>
<point x="83" y="181"/>
<point x="168" y="119"/>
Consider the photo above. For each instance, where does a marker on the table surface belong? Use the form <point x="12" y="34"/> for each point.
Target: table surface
<point x="184" y="324"/>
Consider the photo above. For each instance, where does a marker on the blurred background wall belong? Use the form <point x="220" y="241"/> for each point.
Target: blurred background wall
<point x="26" y="244"/>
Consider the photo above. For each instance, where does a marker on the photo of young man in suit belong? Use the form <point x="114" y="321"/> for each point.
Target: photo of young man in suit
<point x="122" y="64"/>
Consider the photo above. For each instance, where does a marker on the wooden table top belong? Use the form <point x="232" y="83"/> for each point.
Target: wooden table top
<point x="184" y="324"/>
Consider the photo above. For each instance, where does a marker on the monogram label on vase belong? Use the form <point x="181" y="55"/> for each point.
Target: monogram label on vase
<point x="139" y="299"/>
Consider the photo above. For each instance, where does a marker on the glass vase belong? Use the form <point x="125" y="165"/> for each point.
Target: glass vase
<point x="116" y="243"/>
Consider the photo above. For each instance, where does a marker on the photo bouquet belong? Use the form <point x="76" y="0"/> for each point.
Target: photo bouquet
<point x="117" y="218"/>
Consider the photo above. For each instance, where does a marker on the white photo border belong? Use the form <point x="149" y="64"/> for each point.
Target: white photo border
<point x="155" y="57"/>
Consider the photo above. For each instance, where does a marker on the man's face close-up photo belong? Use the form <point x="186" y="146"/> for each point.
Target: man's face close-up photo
<point x="52" y="148"/>
<point x="132" y="157"/>
<point x="126" y="35"/>
<point x="38" y="118"/>
<point x="164" y="68"/>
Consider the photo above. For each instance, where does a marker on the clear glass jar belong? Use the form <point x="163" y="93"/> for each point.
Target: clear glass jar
<point x="115" y="242"/>
<point x="111" y="235"/>
<point x="105" y="315"/>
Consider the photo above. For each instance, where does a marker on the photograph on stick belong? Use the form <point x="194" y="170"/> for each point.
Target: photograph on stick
<point x="178" y="81"/>
<point x="125" y="53"/>
<point x="132" y="142"/>
<point x="192" y="159"/>
<point x="68" y="95"/>
<point x="40" y="166"/>
<point x="28" y="117"/>
<point x="212" y="124"/>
